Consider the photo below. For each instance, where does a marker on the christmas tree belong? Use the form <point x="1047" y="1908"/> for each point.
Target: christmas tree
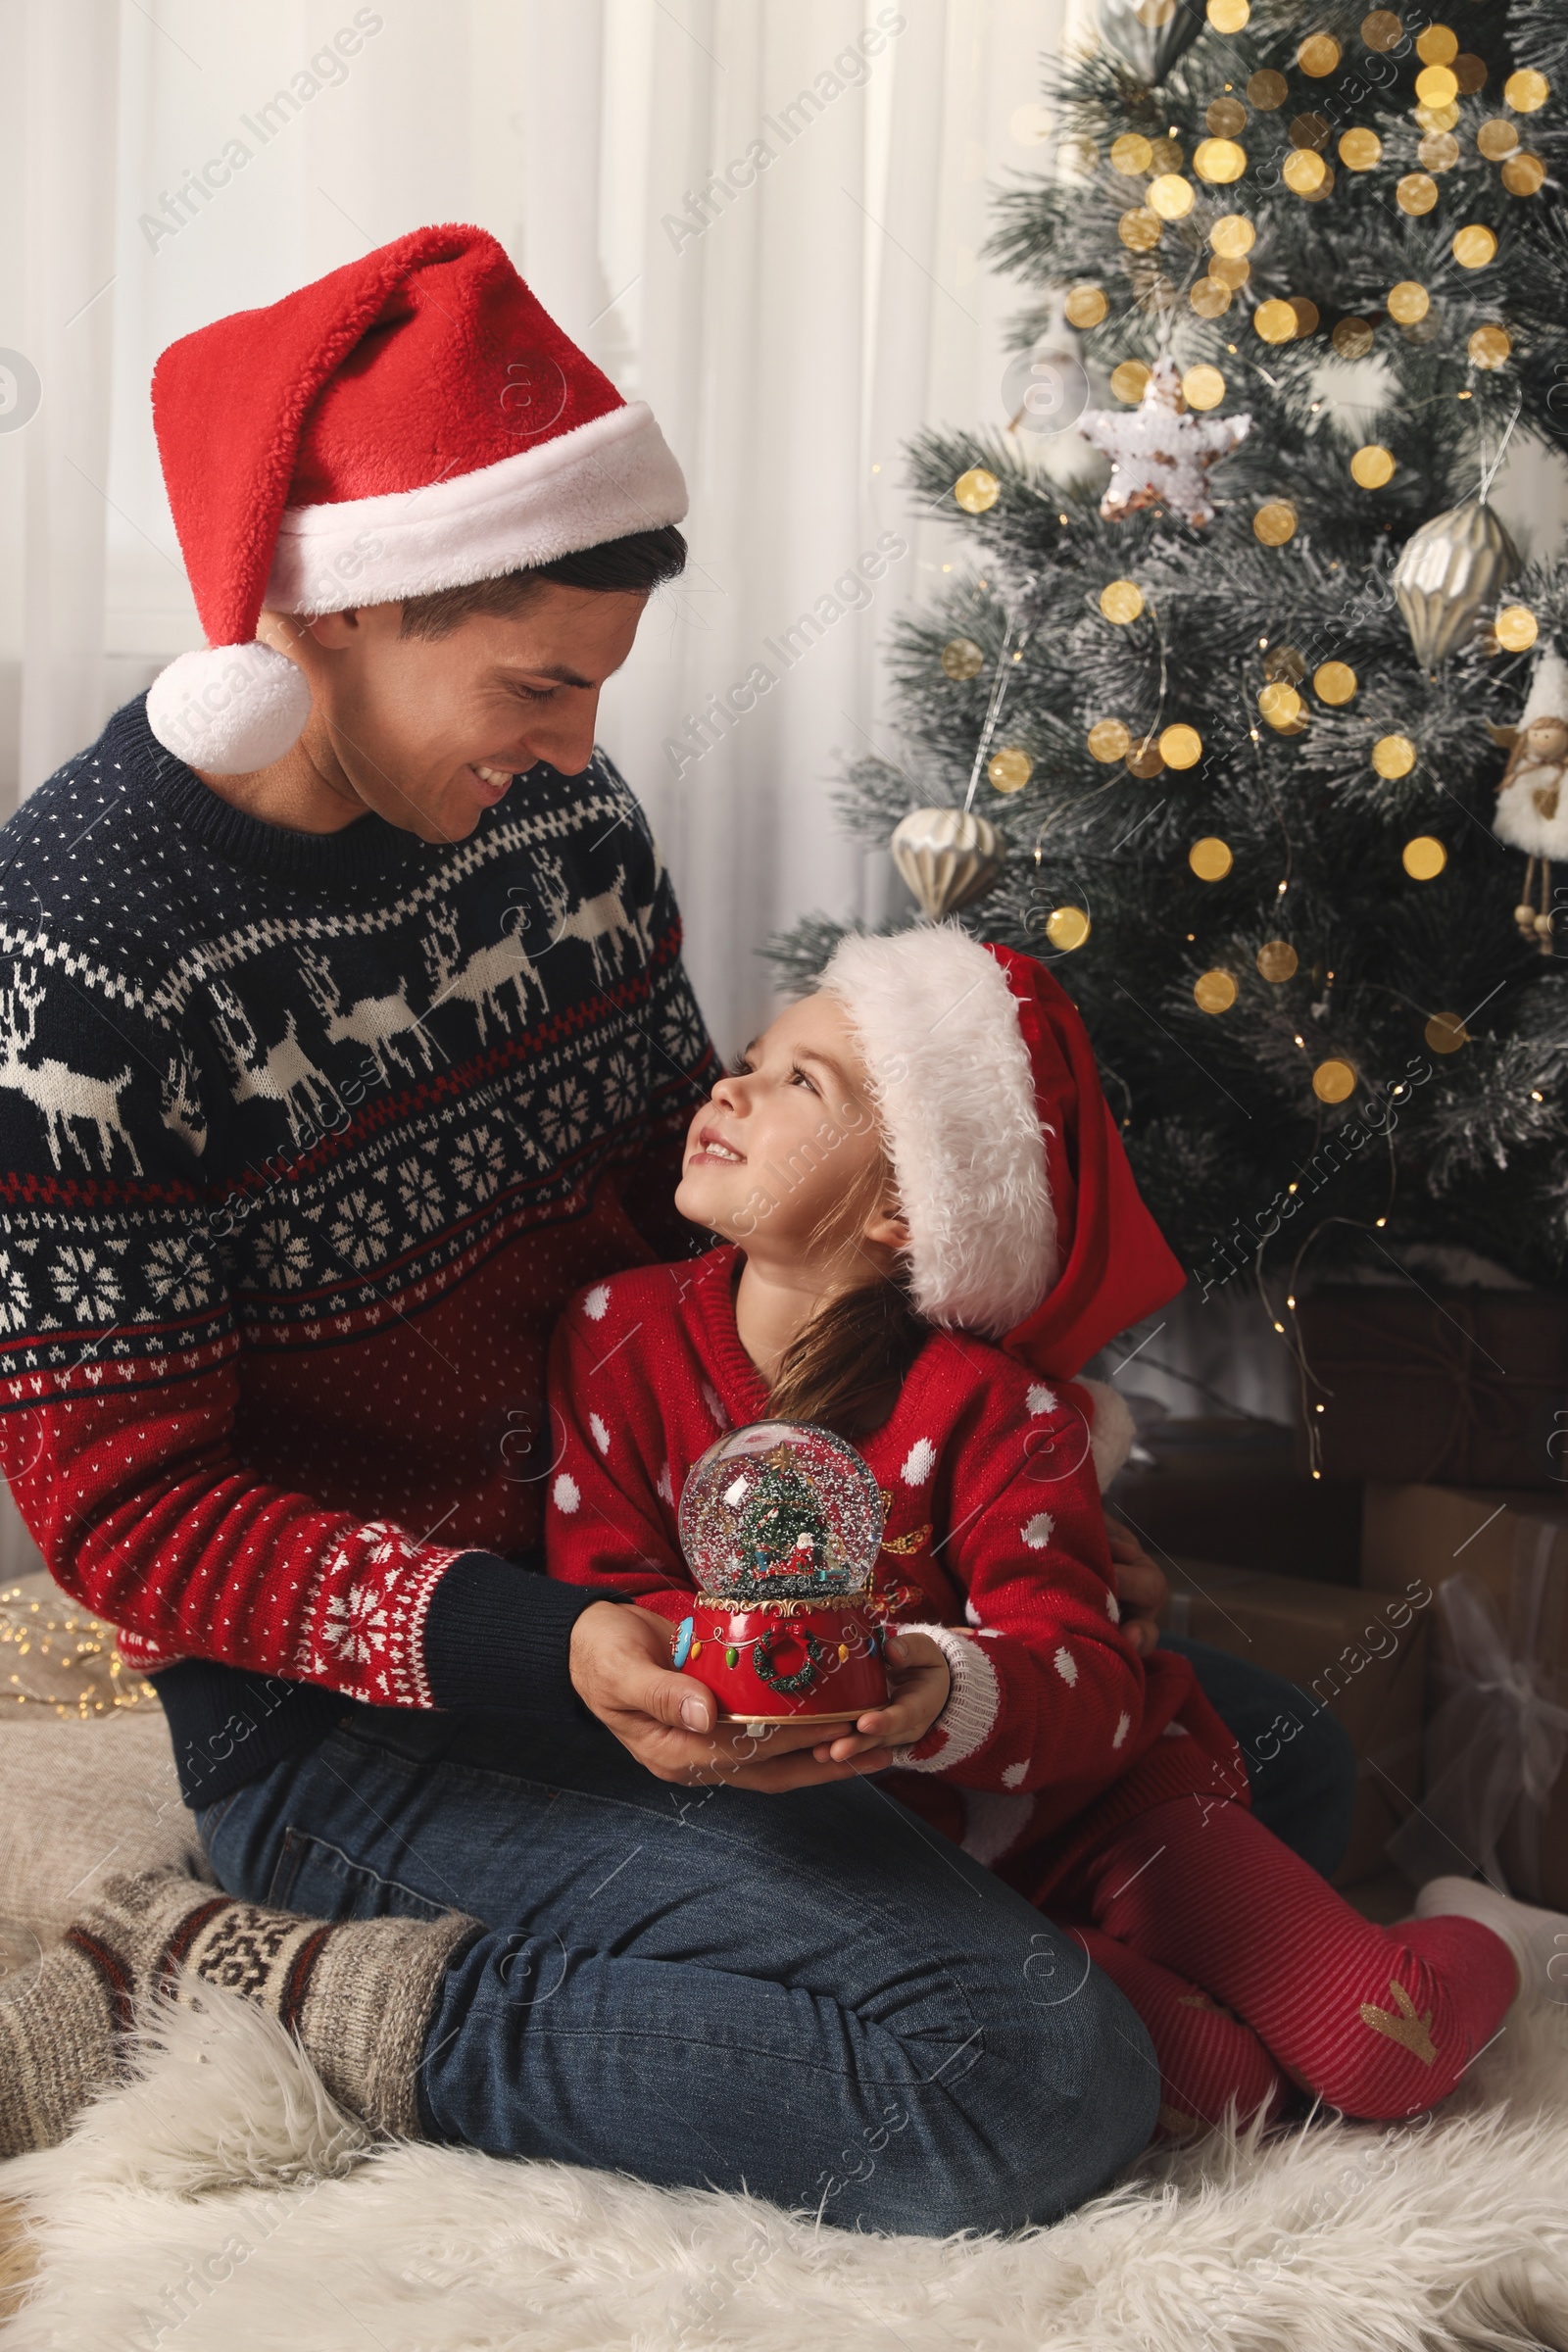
<point x="1232" y="728"/>
<point x="785" y="1540"/>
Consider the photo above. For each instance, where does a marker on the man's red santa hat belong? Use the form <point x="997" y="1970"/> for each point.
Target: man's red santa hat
<point x="1025" y="1224"/>
<point x="414" y="421"/>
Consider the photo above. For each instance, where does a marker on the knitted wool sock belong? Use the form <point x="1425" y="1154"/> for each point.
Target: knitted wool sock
<point x="356" y="1995"/>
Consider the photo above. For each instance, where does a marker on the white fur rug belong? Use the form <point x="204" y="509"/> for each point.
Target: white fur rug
<point x="223" y="2201"/>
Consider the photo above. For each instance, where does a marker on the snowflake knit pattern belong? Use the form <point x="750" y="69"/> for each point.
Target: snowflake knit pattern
<point x="994" y="1543"/>
<point x="305" y="1138"/>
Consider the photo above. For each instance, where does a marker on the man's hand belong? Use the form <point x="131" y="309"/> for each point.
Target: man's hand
<point x="620" y="1669"/>
<point x="1141" y="1587"/>
<point x="920" y="1679"/>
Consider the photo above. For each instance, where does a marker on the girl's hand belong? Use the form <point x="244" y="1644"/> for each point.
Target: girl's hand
<point x="918" y="1674"/>
<point x="1141" y="1587"/>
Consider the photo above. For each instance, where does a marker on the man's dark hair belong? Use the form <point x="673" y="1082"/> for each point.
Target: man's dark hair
<point x="640" y="561"/>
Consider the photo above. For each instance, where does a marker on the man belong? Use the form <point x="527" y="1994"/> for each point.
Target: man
<point x="344" y="1033"/>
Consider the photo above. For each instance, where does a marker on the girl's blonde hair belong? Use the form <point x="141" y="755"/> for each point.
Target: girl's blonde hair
<point x="861" y="1341"/>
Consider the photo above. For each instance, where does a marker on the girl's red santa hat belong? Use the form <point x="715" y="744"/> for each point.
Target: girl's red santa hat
<point x="414" y="421"/>
<point x="1025" y="1224"/>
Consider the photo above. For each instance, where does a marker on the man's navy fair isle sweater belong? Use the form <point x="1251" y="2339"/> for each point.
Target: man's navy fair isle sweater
<point x="304" y="1141"/>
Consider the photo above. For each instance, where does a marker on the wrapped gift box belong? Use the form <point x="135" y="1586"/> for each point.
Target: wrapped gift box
<point x="1219" y="1487"/>
<point x="1497" y="1742"/>
<point x="1460" y="1387"/>
<point x="1361" y="1654"/>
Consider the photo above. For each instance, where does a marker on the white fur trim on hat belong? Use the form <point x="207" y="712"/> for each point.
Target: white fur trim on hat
<point x="939" y="1031"/>
<point x="1113" y="1431"/>
<point x="231" y="709"/>
<point x="602" y="480"/>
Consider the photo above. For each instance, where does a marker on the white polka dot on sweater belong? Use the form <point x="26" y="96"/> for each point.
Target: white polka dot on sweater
<point x="567" y="1492"/>
<point x="1037" y="1531"/>
<point x="666" y="1487"/>
<point x="1015" y="1773"/>
<point x="601" y="1433"/>
<point x="1066" y="1664"/>
<point x="1112" y="1608"/>
<point x="1174" y="1730"/>
<point x="919" y="1463"/>
<point x="1041" y="1400"/>
<point x="596" y="1302"/>
<point x="1124" y="1724"/>
<point x="714" y="1403"/>
<point x="971" y="1613"/>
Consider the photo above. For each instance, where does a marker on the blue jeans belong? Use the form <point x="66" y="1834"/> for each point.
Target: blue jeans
<point x="1301" y="1765"/>
<point x="812" y="1996"/>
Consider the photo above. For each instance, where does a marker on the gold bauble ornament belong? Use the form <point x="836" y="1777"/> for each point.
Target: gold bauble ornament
<point x="1524" y="175"/>
<point x="1496" y="138"/>
<point x="1275" y="522"/>
<point x="1145" y="760"/>
<point x="1474" y="246"/>
<point x="1068" y="927"/>
<point x="1225" y="119"/>
<point x="1333" y="1080"/>
<point x="1275" y="322"/>
<point x="1232" y="270"/>
<point x="1306" y="313"/>
<point x="1394" y="755"/>
<point x="1209" y="296"/>
<point x="1084" y="306"/>
<point x="1439" y="151"/>
<point x="1121" y="600"/>
<point x="1436" y="118"/>
<point x="1229" y="16"/>
<point x="1416" y="193"/>
<point x="1130" y="381"/>
<point x="1382" y="29"/>
<point x="1439" y="45"/>
<point x="977" y="491"/>
<point x="1318" y="55"/>
<point x="1526" y="91"/>
<point x="1233" y="236"/>
<point x="1010" y="771"/>
<point x="1210" y="859"/>
<point x="1180" y="745"/>
<point x="1108" y="741"/>
<point x="1203" y="387"/>
<point x="1361" y="150"/>
<point x="948" y="857"/>
<point x="1140" y="229"/>
<point x="1305" y="171"/>
<point x="962" y="659"/>
<point x="1214" y="992"/>
<point x="1268" y="90"/>
<point x="1372" y="465"/>
<point x="1277" y="959"/>
<point x="1335" y="682"/>
<point x="1171" y="196"/>
<point x="1423" y="858"/>
<point x="1489" y="347"/>
<point x="1437" y="85"/>
<point x="1445" y="1033"/>
<point x="1516" y="629"/>
<point x="1280" y="703"/>
<point x="1220" y="161"/>
<point x="1446" y="572"/>
<point x="1353" y="338"/>
<point x="1131" y="154"/>
<point x="1409" y="302"/>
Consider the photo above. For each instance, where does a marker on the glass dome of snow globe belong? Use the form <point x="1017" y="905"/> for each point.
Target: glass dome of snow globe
<point x="780" y="1510"/>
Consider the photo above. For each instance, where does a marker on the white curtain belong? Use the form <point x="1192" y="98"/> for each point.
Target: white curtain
<point x="171" y="160"/>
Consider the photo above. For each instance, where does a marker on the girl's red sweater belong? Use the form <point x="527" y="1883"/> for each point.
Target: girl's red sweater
<point x="995" y="1544"/>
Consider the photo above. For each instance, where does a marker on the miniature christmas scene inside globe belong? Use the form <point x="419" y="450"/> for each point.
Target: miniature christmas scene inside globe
<point x="780" y="1510"/>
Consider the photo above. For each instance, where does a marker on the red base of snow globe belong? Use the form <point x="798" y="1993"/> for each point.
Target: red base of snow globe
<point x="784" y="1661"/>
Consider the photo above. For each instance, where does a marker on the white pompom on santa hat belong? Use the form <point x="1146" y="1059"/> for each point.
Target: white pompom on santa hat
<point x="412" y="423"/>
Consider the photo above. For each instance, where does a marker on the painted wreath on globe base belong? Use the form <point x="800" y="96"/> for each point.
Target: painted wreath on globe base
<point x="781" y="1523"/>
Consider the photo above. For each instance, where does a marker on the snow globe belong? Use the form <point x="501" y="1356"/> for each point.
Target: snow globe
<point x="781" y="1523"/>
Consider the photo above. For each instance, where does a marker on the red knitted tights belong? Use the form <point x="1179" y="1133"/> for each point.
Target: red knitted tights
<point x="1251" y="1974"/>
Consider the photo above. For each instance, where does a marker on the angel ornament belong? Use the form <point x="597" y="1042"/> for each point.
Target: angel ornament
<point x="1159" y="453"/>
<point x="1531" y="811"/>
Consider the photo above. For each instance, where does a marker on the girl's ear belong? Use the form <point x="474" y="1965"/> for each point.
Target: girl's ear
<point x="886" y="1225"/>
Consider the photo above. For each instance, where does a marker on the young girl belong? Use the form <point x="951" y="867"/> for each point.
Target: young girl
<point x="932" y="1226"/>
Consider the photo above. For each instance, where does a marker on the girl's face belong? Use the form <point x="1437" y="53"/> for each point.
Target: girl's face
<point x="785" y="1139"/>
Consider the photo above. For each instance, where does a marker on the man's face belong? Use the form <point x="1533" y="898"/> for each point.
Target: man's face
<point x="429" y="731"/>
